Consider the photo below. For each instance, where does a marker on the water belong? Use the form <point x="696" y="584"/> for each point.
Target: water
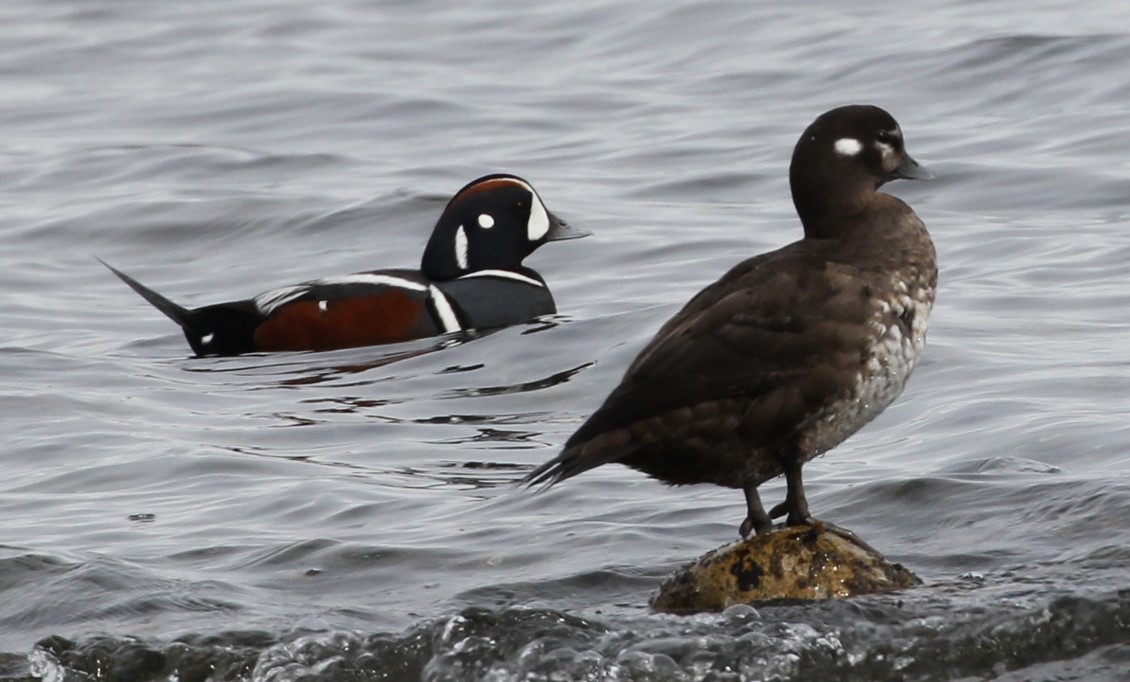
<point x="341" y="516"/>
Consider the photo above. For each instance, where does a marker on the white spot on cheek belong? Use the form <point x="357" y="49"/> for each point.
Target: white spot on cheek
<point x="461" y="248"/>
<point x="323" y="306"/>
<point x="486" y="221"/>
<point x="207" y="339"/>
<point x="885" y="149"/>
<point x="848" y="146"/>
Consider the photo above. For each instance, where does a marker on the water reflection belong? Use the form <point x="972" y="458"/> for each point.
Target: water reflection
<point x="523" y="387"/>
<point x="463" y="475"/>
<point x="306" y="368"/>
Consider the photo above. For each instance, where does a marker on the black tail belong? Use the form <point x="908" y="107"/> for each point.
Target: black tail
<point x="182" y="316"/>
<point x="545" y="475"/>
<point x="565" y="465"/>
<point x="577" y="458"/>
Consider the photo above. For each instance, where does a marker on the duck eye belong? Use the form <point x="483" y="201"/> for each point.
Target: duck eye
<point x="887" y="137"/>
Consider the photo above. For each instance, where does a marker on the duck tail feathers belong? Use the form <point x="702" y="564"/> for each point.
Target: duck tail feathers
<point x="179" y="314"/>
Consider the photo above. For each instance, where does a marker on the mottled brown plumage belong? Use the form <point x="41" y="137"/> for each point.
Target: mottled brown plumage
<point x="791" y="351"/>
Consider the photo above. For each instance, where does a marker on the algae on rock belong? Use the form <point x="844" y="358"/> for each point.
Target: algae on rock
<point x="798" y="562"/>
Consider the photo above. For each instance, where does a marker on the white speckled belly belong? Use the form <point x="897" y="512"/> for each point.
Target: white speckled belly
<point x="889" y="361"/>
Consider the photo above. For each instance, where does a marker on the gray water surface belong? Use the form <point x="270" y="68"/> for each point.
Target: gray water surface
<point x="344" y="516"/>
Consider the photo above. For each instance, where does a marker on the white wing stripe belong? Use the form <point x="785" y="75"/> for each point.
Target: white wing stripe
<point x="374" y="278"/>
<point x="272" y="300"/>
<point x="267" y="303"/>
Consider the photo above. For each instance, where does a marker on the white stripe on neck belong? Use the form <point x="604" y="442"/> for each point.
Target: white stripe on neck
<point x="504" y="274"/>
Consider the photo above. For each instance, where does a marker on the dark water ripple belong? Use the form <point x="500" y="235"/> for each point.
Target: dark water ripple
<point x="352" y="515"/>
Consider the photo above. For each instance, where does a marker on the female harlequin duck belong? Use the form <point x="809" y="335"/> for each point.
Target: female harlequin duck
<point x="791" y="351"/>
<point x="471" y="277"/>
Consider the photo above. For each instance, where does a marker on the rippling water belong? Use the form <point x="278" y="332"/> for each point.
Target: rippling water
<point x="346" y="516"/>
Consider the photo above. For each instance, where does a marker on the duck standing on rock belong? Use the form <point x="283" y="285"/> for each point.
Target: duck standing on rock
<point x="791" y="351"/>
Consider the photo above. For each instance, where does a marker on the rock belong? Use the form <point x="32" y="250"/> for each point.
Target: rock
<point x="797" y="562"/>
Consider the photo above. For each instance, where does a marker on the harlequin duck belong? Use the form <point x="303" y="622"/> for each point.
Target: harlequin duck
<point x="471" y="276"/>
<point x="791" y="351"/>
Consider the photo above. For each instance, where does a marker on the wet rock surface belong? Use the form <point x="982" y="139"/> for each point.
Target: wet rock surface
<point x="798" y="562"/>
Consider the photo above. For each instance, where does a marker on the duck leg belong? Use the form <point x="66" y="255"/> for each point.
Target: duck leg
<point x="796" y="506"/>
<point x="756" y="519"/>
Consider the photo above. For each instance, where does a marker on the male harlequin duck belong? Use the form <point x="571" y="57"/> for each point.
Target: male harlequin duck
<point x="471" y="277"/>
<point x="791" y="351"/>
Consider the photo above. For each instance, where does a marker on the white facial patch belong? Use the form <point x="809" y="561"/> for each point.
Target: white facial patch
<point x="538" y="224"/>
<point x="848" y="146"/>
<point x="886" y="148"/>
<point x="486" y="221"/>
<point x="207" y="339"/>
<point x="323" y="306"/>
<point x="461" y="248"/>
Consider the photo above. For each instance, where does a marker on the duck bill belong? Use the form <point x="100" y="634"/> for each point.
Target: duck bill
<point x="559" y="230"/>
<point x="910" y="169"/>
